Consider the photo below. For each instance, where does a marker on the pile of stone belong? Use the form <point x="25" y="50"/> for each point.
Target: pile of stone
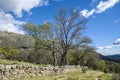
<point x="22" y="71"/>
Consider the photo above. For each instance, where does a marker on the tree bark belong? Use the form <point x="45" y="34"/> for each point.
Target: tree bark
<point x="62" y="60"/>
<point x="66" y="60"/>
<point x="54" y="59"/>
<point x="63" y="57"/>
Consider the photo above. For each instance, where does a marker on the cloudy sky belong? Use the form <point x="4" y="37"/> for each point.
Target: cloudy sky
<point x="103" y="18"/>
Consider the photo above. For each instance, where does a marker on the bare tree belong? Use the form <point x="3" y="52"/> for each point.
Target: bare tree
<point x="69" y="26"/>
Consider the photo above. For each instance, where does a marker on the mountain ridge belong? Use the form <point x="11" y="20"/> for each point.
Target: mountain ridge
<point x="114" y="57"/>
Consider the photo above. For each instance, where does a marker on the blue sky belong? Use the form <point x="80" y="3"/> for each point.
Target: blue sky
<point x="103" y="18"/>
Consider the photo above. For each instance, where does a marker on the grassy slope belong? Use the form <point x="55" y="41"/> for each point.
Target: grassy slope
<point x="9" y="62"/>
<point x="89" y="75"/>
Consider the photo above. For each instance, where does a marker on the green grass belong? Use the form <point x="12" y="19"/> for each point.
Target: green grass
<point x="89" y="75"/>
<point x="9" y="62"/>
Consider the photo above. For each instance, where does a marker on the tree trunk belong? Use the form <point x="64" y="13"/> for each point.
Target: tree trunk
<point x="62" y="60"/>
<point x="66" y="60"/>
<point x="54" y="59"/>
<point x="63" y="57"/>
<point x="77" y="56"/>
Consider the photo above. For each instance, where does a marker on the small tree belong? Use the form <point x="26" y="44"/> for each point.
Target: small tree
<point x="32" y="30"/>
<point x="44" y="38"/>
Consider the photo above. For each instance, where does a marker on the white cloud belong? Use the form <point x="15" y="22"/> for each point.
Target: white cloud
<point x="101" y="7"/>
<point x="84" y="12"/>
<point x="110" y="49"/>
<point x="87" y="13"/>
<point x="8" y="23"/>
<point x="105" y="5"/>
<point x="106" y="47"/>
<point x="117" y="42"/>
<point x="93" y="2"/>
<point x="100" y="47"/>
<point x="17" y="6"/>
<point x="90" y="13"/>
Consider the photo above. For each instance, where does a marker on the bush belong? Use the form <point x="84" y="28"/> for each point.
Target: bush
<point x="8" y="52"/>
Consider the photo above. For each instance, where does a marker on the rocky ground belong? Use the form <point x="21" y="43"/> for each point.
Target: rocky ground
<point x="18" y="71"/>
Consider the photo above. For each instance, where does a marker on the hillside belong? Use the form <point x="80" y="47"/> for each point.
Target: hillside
<point x="16" y="40"/>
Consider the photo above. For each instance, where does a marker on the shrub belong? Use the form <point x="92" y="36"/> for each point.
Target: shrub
<point x="8" y="52"/>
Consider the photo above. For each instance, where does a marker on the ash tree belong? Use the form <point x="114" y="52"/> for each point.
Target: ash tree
<point x="70" y="27"/>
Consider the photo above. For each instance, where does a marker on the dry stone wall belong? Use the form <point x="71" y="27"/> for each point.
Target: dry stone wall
<point x="8" y="72"/>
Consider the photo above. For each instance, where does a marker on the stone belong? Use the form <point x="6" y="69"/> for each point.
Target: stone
<point x="13" y="66"/>
<point x="4" y="78"/>
<point x="2" y="67"/>
<point x="22" y="71"/>
<point x="8" y="67"/>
